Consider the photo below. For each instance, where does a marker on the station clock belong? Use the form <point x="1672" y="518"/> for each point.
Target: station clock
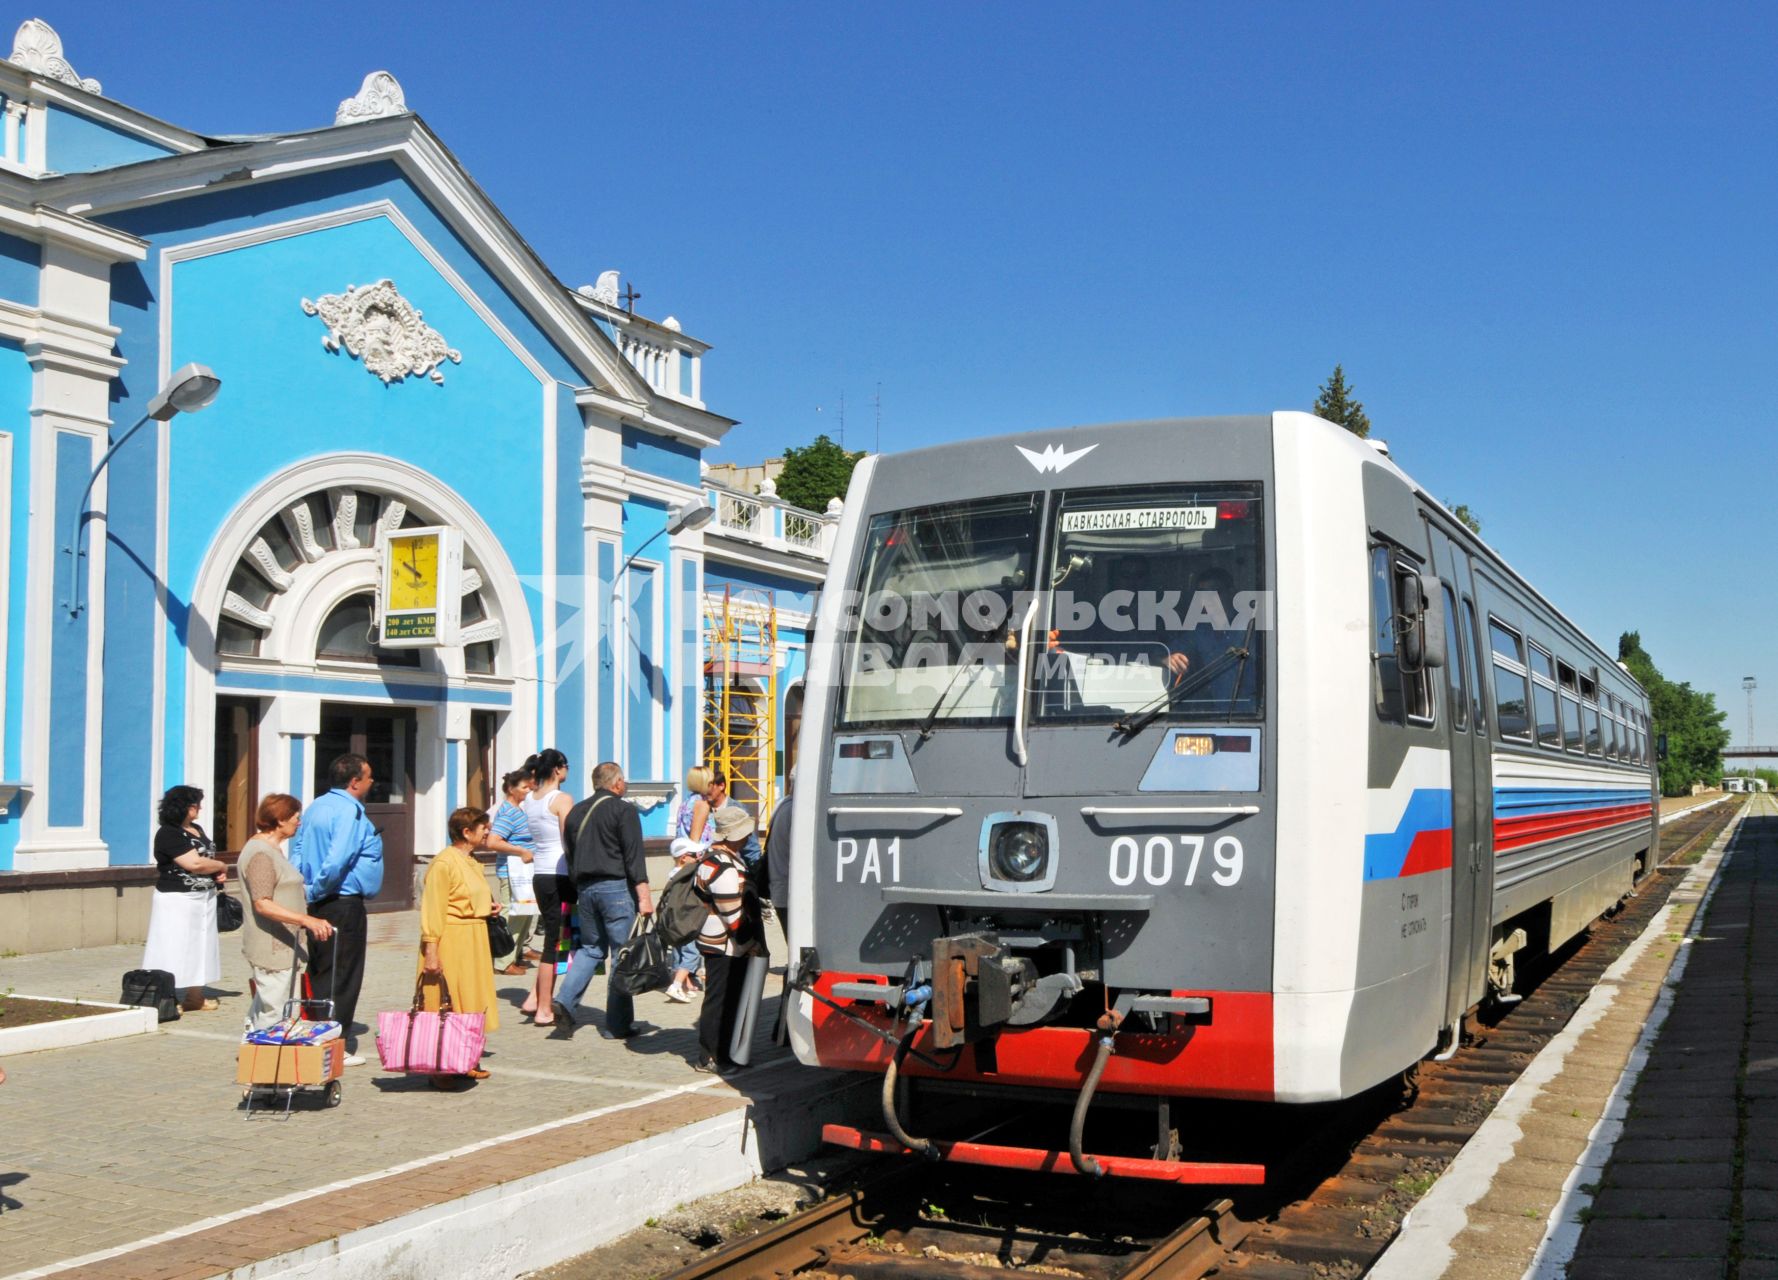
<point x="422" y="576"/>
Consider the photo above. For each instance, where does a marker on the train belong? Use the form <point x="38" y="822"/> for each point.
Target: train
<point x="1197" y="758"/>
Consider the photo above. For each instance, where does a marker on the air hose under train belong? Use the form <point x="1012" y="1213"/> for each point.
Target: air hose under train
<point x="1085" y="1164"/>
<point x="892" y="1076"/>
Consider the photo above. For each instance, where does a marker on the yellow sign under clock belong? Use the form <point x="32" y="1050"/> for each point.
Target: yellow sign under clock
<point x="422" y="587"/>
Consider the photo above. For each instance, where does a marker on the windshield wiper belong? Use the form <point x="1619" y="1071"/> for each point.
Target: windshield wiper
<point x="932" y="716"/>
<point x="1241" y="671"/>
<point x="1134" y="722"/>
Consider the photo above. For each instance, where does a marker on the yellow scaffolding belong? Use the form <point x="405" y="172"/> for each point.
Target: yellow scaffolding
<point x="741" y="694"/>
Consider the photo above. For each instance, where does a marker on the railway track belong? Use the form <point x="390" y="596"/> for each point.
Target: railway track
<point x="1340" y="1179"/>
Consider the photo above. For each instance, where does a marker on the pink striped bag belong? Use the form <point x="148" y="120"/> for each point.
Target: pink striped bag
<point x="435" y="1044"/>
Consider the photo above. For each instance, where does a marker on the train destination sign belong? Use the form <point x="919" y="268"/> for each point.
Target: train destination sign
<point x="1112" y="518"/>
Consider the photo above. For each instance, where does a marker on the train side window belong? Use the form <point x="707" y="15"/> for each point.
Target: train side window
<point x="1456" y="666"/>
<point x="1512" y="696"/>
<point x="1573" y="732"/>
<point x="1593" y="740"/>
<point x="1571" y="726"/>
<point x="1613" y="731"/>
<point x="1473" y="656"/>
<point x="1543" y="695"/>
<point x="1401" y="695"/>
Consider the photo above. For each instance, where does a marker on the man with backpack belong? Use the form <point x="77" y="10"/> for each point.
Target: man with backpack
<point x="610" y="873"/>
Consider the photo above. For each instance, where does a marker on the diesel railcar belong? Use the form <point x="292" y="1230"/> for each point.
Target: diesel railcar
<point x="1203" y="758"/>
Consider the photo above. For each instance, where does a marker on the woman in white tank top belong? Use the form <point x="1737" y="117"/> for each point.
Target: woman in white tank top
<point x="545" y="808"/>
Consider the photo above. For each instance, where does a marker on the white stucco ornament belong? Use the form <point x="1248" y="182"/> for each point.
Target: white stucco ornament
<point x="384" y="330"/>
<point x="604" y="291"/>
<point x="379" y="96"/>
<point x="38" y="48"/>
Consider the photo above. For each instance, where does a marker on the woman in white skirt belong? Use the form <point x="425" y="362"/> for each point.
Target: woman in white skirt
<point x="182" y="922"/>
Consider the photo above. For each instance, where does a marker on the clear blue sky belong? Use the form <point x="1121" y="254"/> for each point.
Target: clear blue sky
<point x="1542" y="239"/>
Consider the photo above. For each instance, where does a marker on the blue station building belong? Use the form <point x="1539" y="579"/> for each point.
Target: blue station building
<point x="392" y="355"/>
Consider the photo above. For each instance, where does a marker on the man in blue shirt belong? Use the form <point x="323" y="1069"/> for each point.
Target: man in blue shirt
<point x="339" y="854"/>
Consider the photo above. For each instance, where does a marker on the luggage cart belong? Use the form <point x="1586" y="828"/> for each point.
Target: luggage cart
<point x="329" y="1088"/>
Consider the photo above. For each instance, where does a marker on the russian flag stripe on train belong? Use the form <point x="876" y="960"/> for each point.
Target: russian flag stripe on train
<point x="1421" y="841"/>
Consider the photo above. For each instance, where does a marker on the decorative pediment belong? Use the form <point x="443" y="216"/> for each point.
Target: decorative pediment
<point x="384" y="330"/>
<point x="379" y="96"/>
<point x="38" y="48"/>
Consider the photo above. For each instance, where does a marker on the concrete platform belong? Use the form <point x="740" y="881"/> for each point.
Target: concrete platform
<point x="134" y="1159"/>
<point x="1616" y="1154"/>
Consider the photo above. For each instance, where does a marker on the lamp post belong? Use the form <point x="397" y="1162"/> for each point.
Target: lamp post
<point x="689" y="515"/>
<point x="191" y="387"/>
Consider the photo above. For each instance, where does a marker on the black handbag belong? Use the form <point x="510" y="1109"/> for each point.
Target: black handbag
<point x="499" y="936"/>
<point x="153" y="989"/>
<point x="643" y="963"/>
<point x="230" y="915"/>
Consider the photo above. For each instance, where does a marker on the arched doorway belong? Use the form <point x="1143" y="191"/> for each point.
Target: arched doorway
<point x="290" y="673"/>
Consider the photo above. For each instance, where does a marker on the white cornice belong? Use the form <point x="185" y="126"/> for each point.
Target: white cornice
<point x="722" y="549"/>
<point x="696" y="427"/>
<point x="16" y="82"/>
<point x="47" y="225"/>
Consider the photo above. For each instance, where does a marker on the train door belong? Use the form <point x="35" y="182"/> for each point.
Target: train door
<point x="1471" y="785"/>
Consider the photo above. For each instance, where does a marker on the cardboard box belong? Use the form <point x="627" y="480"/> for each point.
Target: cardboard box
<point x="290" y="1064"/>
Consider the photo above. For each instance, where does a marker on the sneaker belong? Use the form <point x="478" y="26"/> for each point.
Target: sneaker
<point x="706" y="1067"/>
<point x="354" y="1060"/>
<point x="678" y="994"/>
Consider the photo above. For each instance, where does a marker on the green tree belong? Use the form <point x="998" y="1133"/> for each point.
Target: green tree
<point x="1462" y="512"/>
<point x="1336" y="403"/>
<point x="816" y="473"/>
<point x="1686" y="717"/>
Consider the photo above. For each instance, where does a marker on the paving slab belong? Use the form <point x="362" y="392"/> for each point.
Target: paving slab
<point x="137" y="1159"/>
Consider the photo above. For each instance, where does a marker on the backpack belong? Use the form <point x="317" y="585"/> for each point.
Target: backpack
<point x="679" y="916"/>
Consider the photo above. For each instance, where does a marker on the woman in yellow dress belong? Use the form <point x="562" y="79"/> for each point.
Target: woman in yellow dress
<point x="453" y="934"/>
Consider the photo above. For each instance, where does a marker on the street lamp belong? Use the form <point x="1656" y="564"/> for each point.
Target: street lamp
<point x="689" y="515"/>
<point x="692" y="514"/>
<point x="191" y="387"/>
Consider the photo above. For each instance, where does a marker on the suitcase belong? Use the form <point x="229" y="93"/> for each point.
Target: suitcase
<point x="151" y="988"/>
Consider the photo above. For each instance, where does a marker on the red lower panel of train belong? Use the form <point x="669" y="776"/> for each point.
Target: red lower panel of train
<point x="1228" y="1057"/>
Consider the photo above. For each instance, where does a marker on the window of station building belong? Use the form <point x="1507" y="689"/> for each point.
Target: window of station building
<point x="1401" y="695"/>
<point x="1543" y="699"/>
<point x="1512" y="695"/>
<point x="345" y="636"/>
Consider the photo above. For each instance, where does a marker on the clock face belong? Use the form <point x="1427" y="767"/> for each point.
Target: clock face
<point x="413" y="572"/>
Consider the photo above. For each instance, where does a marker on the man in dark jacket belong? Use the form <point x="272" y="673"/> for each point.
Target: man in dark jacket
<point x="610" y="873"/>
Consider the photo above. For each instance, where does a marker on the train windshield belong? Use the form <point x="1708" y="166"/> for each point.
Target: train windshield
<point x="1157" y="603"/>
<point x="935" y="608"/>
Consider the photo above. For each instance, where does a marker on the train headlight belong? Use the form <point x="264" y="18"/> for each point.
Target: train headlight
<point x="1021" y="851"/>
<point x="1018" y="852"/>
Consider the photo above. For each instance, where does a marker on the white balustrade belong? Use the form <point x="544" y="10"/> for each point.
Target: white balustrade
<point x="771" y="522"/>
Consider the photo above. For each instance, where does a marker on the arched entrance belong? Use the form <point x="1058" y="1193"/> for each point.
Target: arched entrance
<point x="288" y="672"/>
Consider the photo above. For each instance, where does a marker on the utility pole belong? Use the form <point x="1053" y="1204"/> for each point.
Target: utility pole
<point x="1749" y="683"/>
